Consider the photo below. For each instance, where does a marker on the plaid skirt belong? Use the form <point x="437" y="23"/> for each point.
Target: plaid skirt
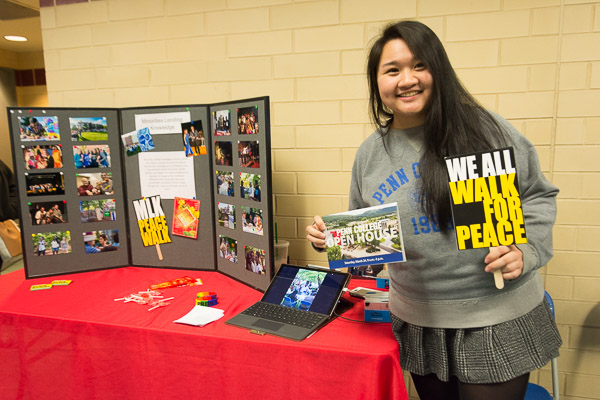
<point x="491" y="354"/>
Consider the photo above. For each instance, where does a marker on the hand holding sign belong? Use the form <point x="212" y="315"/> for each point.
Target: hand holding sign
<point x="486" y="209"/>
<point x="506" y="262"/>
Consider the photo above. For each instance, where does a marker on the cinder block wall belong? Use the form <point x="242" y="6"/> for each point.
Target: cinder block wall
<point x="536" y="62"/>
<point x="26" y="96"/>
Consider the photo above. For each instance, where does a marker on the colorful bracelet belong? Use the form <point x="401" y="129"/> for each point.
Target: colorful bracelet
<point x="206" y="299"/>
<point x="206" y="295"/>
<point x="206" y="303"/>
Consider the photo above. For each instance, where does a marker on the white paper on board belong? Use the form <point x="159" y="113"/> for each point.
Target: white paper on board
<point x="162" y="123"/>
<point x="169" y="174"/>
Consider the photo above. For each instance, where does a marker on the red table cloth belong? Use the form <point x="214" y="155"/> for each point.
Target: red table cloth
<point x="76" y="342"/>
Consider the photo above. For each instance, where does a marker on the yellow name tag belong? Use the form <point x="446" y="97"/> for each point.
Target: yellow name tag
<point x="40" y="287"/>
<point x="61" y="283"/>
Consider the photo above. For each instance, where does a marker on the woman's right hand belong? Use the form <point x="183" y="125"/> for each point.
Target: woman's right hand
<point x="316" y="232"/>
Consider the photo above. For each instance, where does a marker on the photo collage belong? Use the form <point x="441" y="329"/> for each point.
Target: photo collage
<point x="239" y="185"/>
<point x="44" y="140"/>
<point x="193" y="179"/>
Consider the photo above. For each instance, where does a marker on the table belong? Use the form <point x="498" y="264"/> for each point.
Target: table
<point x="76" y="342"/>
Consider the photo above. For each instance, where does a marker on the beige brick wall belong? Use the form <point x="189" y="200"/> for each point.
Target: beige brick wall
<point x="537" y="62"/>
<point x="25" y="96"/>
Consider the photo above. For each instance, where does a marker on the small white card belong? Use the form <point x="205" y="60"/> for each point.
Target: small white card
<point x="200" y="316"/>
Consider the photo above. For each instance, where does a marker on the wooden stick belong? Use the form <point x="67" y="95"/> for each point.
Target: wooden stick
<point x="160" y="256"/>
<point x="497" y="279"/>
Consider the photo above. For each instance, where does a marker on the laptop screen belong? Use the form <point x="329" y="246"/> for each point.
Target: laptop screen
<point x="306" y="288"/>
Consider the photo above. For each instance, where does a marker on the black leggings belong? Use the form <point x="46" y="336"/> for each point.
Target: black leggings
<point x="430" y="387"/>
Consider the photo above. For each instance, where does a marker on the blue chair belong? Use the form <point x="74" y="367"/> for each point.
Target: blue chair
<point x="537" y="392"/>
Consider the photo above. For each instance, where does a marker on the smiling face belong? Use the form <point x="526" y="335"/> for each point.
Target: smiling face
<point x="405" y="85"/>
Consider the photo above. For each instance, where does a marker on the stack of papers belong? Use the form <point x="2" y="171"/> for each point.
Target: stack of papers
<point x="200" y="316"/>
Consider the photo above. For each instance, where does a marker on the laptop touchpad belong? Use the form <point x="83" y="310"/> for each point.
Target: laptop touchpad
<point x="265" y="324"/>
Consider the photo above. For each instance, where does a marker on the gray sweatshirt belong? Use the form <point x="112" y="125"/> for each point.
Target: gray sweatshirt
<point x="439" y="286"/>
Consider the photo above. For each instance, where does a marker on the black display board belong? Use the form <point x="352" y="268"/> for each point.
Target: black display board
<point x="75" y="161"/>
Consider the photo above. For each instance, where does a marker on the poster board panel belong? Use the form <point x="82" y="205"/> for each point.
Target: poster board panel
<point x="67" y="167"/>
<point x="167" y="163"/>
<point x="235" y="143"/>
<point x="242" y="152"/>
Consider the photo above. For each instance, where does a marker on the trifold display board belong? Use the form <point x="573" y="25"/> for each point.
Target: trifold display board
<point x="171" y="186"/>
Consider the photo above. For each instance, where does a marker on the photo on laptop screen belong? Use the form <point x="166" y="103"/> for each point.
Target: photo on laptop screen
<point x="306" y="289"/>
<point x="303" y="289"/>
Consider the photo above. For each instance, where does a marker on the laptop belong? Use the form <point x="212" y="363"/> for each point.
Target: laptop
<point x="298" y="301"/>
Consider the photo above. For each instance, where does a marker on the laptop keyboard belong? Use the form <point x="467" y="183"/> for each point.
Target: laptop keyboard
<point x="292" y="316"/>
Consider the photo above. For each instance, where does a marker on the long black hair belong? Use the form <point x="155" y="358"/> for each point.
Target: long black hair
<point x="455" y="123"/>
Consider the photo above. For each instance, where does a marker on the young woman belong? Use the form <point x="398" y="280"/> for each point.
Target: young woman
<point x="186" y="142"/>
<point x="64" y="245"/>
<point x="459" y="336"/>
<point x="55" y="245"/>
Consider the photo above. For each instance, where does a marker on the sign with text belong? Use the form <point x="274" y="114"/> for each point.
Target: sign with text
<point x="162" y="123"/>
<point x="485" y="199"/>
<point x="151" y="221"/>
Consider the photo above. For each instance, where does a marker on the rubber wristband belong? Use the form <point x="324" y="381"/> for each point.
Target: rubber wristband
<point x="202" y="294"/>
<point x="206" y="303"/>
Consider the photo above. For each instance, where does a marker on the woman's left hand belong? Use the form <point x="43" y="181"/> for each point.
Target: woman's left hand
<point x="508" y="259"/>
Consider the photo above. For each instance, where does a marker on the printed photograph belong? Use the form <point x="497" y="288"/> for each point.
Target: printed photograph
<point x="225" y="183"/>
<point x="193" y="138"/>
<point x="48" y="212"/>
<point x="248" y="154"/>
<point x="91" y="156"/>
<point x="95" y="184"/>
<point x="101" y="241"/>
<point x="226" y="215"/>
<point x="98" y="210"/>
<point x="303" y="289"/>
<point x="222" y="122"/>
<point x="252" y="220"/>
<point x="137" y="141"/>
<point x="39" y="128"/>
<point x="185" y="217"/>
<point x="223" y="153"/>
<point x="51" y="243"/>
<point x="255" y="260"/>
<point x="250" y="186"/>
<point x="44" y="184"/>
<point x="42" y="156"/>
<point x="228" y="248"/>
<point x="88" y="129"/>
<point x="247" y="120"/>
